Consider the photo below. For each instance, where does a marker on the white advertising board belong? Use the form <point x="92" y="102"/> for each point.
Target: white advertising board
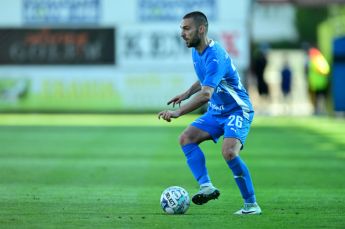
<point x="160" y="47"/>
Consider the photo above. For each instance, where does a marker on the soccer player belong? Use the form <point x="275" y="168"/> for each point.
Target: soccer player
<point x="229" y="113"/>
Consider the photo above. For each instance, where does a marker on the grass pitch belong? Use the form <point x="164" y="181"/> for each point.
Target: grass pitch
<point x="104" y="171"/>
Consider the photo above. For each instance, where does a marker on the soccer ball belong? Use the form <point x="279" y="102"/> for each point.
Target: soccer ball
<point x="175" y="200"/>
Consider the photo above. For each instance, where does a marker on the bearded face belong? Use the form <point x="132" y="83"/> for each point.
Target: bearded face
<point x="190" y="33"/>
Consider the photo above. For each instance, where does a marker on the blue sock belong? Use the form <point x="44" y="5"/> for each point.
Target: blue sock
<point x="242" y="178"/>
<point x="196" y="162"/>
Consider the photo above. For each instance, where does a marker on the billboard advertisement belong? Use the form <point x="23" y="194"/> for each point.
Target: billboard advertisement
<point x="81" y="90"/>
<point x="24" y="46"/>
<point x="61" y="12"/>
<point x="155" y="46"/>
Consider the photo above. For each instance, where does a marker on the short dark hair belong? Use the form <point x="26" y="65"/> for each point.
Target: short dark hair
<point x="199" y="17"/>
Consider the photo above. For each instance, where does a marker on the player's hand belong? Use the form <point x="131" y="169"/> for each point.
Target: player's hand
<point x="177" y="99"/>
<point x="167" y="115"/>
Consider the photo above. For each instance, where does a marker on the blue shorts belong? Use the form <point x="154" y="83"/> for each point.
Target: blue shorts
<point x="232" y="126"/>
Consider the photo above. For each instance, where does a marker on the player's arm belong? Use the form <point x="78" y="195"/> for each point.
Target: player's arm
<point x="185" y="95"/>
<point x="200" y="98"/>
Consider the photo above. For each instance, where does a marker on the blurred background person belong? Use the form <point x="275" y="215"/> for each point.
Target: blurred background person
<point x="286" y="75"/>
<point x="259" y="66"/>
<point x="318" y="81"/>
<point x="286" y="78"/>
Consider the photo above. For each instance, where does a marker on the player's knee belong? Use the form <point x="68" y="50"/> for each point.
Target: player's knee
<point x="185" y="139"/>
<point x="231" y="148"/>
<point x="229" y="153"/>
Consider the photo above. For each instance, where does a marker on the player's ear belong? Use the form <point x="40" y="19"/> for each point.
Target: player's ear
<point x="202" y="29"/>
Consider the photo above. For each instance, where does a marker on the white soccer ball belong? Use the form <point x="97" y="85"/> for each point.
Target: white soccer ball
<point x="175" y="200"/>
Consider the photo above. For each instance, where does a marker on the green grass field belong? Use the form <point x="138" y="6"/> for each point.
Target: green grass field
<point x="104" y="171"/>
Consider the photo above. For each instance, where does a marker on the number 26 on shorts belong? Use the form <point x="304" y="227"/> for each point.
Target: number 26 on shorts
<point x="235" y="120"/>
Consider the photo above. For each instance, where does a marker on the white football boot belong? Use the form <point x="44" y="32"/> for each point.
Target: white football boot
<point x="249" y="209"/>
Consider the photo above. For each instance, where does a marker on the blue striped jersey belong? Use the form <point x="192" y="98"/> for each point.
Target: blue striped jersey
<point x="215" y="69"/>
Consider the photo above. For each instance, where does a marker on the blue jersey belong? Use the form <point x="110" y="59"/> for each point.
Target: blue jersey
<point x="215" y="69"/>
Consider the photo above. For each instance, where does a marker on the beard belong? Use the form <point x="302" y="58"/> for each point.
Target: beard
<point x="194" y="41"/>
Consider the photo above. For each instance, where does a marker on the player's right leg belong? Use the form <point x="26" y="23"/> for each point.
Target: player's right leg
<point x="234" y="137"/>
<point x="249" y="209"/>
<point x="189" y="141"/>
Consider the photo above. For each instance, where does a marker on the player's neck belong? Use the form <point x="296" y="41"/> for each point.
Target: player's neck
<point x="203" y="45"/>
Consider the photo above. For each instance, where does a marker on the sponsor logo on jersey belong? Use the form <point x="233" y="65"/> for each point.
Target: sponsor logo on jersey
<point x="215" y="107"/>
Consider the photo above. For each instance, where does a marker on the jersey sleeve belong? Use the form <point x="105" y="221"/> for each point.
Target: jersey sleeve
<point x="213" y="73"/>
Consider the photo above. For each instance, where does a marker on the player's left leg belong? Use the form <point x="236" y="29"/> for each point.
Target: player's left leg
<point x="236" y="132"/>
<point x="202" y="129"/>
<point x="189" y="140"/>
